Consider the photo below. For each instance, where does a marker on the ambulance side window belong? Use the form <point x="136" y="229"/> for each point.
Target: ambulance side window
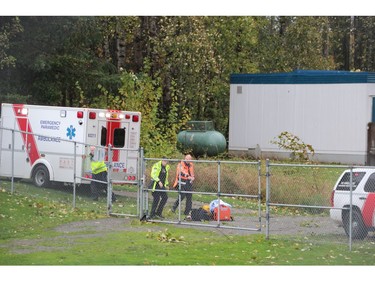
<point x="119" y="137"/>
<point x="103" y="137"/>
<point x="370" y="184"/>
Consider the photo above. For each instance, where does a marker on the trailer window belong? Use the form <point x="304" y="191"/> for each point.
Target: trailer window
<point x="103" y="137"/>
<point x="119" y="137"/>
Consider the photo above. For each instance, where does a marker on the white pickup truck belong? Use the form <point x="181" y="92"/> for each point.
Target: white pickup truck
<point x="363" y="201"/>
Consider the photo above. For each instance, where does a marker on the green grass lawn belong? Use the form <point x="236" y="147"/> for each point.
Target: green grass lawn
<point x="35" y="215"/>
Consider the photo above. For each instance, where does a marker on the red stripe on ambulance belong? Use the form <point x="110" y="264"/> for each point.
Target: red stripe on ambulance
<point x="113" y="124"/>
<point x="27" y="136"/>
<point x="368" y="210"/>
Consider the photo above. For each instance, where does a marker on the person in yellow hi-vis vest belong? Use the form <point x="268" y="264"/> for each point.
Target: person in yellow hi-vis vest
<point x="98" y="172"/>
<point x="159" y="181"/>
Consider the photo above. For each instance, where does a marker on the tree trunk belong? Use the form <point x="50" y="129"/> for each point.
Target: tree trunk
<point x="120" y="48"/>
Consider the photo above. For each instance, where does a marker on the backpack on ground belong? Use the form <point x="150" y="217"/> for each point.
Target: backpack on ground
<point x="225" y="213"/>
<point x="200" y="215"/>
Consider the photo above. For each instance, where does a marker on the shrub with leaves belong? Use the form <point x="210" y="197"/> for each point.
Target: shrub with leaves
<point x="290" y="142"/>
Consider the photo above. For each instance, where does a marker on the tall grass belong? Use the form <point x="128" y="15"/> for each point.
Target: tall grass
<point x="303" y="185"/>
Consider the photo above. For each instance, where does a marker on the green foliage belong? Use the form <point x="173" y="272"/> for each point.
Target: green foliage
<point x="143" y="93"/>
<point x="288" y="141"/>
<point x="288" y="43"/>
<point x="80" y="61"/>
<point x="9" y="27"/>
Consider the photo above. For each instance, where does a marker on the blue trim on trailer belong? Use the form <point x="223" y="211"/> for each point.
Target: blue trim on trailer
<point x="304" y="77"/>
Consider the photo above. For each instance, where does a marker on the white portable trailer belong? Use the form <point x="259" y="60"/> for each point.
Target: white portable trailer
<point x="334" y="111"/>
<point x="37" y="142"/>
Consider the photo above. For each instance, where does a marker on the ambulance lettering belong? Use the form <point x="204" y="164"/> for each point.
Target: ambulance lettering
<point x="50" y="125"/>
<point x="49" y="139"/>
<point x="119" y="165"/>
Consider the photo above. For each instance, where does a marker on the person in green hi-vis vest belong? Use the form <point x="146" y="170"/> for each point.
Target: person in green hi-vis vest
<point x="99" y="172"/>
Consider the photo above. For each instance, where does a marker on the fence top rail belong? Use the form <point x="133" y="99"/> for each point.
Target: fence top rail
<point x="205" y="161"/>
<point x="312" y="165"/>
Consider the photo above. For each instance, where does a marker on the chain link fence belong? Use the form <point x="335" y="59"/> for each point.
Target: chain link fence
<point x="234" y="183"/>
<point x="290" y="201"/>
<point x="299" y="203"/>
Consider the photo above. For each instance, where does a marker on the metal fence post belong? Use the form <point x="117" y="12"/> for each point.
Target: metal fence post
<point x="12" y="182"/>
<point x="74" y="174"/>
<point x="179" y="192"/>
<point x="218" y="191"/>
<point x="267" y="198"/>
<point x="109" y="181"/>
<point x="140" y="194"/>
<point x="351" y="208"/>
<point x="260" y="194"/>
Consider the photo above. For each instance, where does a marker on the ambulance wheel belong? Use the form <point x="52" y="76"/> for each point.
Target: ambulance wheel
<point x="41" y="176"/>
<point x="359" y="230"/>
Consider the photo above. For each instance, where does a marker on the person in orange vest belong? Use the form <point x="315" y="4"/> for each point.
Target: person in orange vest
<point x="184" y="178"/>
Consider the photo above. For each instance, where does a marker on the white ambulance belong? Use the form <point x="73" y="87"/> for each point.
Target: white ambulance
<point x="41" y="140"/>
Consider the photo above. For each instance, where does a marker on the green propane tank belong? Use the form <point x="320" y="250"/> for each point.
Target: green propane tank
<point x="200" y="139"/>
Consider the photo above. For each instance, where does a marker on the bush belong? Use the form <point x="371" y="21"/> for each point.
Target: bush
<point x="288" y="141"/>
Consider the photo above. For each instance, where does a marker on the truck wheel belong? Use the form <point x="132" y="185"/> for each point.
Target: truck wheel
<point x="359" y="230"/>
<point x="41" y="176"/>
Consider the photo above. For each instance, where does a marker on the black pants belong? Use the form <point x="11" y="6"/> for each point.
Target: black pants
<point x="160" y="199"/>
<point x="185" y="187"/>
<point x="98" y="188"/>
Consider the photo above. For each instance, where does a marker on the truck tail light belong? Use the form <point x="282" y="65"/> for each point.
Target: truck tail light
<point x="80" y="114"/>
<point x="135" y="118"/>
<point x="127" y="116"/>
<point x="92" y="115"/>
<point x="332" y="198"/>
